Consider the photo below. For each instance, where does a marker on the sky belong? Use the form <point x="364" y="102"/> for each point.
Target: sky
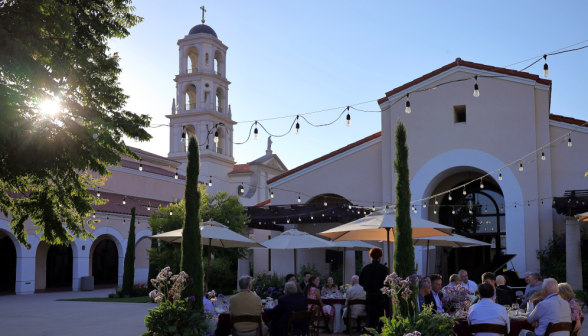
<point x="292" y="57"/>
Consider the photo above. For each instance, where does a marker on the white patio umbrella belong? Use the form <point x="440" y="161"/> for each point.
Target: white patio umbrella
<point x="213" y="234"/>
<point x="446" y="241"/>
<point x="377" y="227"/>
<point x="294" y="240"/>
<point x="350" y="245"/>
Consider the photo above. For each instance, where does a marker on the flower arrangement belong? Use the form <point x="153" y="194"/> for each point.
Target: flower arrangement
<point x="456" y="297"/>
<point x="344" y="288"/>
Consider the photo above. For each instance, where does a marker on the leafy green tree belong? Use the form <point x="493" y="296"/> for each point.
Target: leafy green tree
<point x="191" y="261"/>
<point x="403" y="263"/>
<point x="61" y="110"/>
<point x="129" y="267"/>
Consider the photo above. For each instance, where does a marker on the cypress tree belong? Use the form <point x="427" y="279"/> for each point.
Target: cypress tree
<point x="152" y="266"/>
<point x="403" y="260"/>
<point x="191" y="262"/>
<point x="129" y="268"/>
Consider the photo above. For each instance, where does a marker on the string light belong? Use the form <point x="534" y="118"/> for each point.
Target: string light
<point x="124" y="200"/>
<point x="452" y="210"/>
<point x="149" y="206"/>
<point x="183" y="134"/>
<point x="486" y="209"/>
<point x="435" y="210"/>
<point x="476" y="90"/>
<point x="323" y="215"/>
<point x="349" y="206"/>
<point x="464" y="191"/>
<point x="171" y="213"/>
<point x="299" y="200"/>
<point x="210" y="181"/>
<point x="569" y="140"/>
<point x="176" y="176"/>
<point x="271" y="193"/>
<point x="500" y="175"/>
<point x="450" y="197"/>
<point x="528" y="203"/>
<point x="545" y="67"/>
<point x="107" y="217"/>
<point x="481" y="184"/>
<point x="424" y="205"/>
<point x="288" y="220"/>
<point x="140" y="164"/>
<point x="297" y="126"/>
<point x="521" y="167"/>
<point x="98" y="192"/>
<point x="515" y="205"/>
<point x="311" y="217"/>
<point x="407" y="105"/>
<point x="255" y="132"/>
<point x="436" y="202"/>
<point x="241" y="189"/>
<point x="325" y="202"/>
<point x="348" y="123"/>
<point x="216" y="136"/>
<point x="470" y="211"/>
<point x="542" y="201"/>
<point x="94" y="215"/>
<point x="542" y="156"/>
<point x="501" y="208"/>
<point x="299" y="219"/>
<point x="373" y="206"/>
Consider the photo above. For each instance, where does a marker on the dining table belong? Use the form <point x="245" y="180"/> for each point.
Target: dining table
<point x="337" y="304"/>
<point x="516" y="325"/>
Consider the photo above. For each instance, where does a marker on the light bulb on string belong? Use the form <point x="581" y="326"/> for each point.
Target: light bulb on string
<point x="435" y="210"/>
<point x="107" y="217"/>
<point x="288" y="220"/>
<point x="476" y="90"/>
<point x="299" y="219"/>
<point x="241" y="189"/>
<point x="325" y="202"/>
<point x="500" y="176"/>
<point x="255" y="132"/>
<point x="424" y="205"/>
<point x="521" y="167"/>
<point x="323" y="215"/>
<point x="470" y="211"/>
<point x="436" y="202"/>
<point x="528" y="203"/>
<point x="349" y="206"/>
<point x="297" y="126"/>
<point x="452" y="210"/>
<point x="542" y="201"/>
<point x="124" y="200"/>
<point x="542" y="156"/>
<point x="149" y="206"/>
<point x="486" y="209"/>
<point x="515" y="205"/>
<point x="407" y="105"/>
<point x="481" y="184"/>
<point x="373" y="206"/>
<point x="94" y="215"/>
<point x="140" y="164"/>
<point x="569" y="141"/>
<point x="348" y="123"/>
<point x="545" y="67"/>
<point x="210" y="181"/>
<point x="271" y="193"/>
<point x="171" y="213"/>
<point x="216" y="136"/>
<point x="98" y="193"/>
<point x="450" y="197"/>
<point x="311" y="216"/>
<point x="501" y="208"/>
<point x="176" y="176"/>
<point x="183" y="134"/>
<point x="299" y="200"/>
<point x="464" y="191"/>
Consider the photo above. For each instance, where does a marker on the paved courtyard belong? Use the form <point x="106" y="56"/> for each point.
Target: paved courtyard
<point x="40" y="314"/>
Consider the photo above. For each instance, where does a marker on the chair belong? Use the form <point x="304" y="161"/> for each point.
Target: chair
<point x="575" y="333"/>
<point x="298" y="316"/>
<point x="351" y="303"/>
<point x="501" y="329"/>
<point x="561" y="326"/>
<point x="519" y="293"/>
<point x="319" y="315"/>
<point x="246" y="318"/>
<point x="313" y="322"/>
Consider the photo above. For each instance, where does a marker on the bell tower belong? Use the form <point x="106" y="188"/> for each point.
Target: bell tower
<point x="202" y="108"/>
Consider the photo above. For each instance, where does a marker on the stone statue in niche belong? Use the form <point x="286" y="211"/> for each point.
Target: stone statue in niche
<point x="269" y="143"/>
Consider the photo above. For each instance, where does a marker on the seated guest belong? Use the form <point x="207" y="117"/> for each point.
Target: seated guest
<point x="356" y="292"/>
<point x="305" y="280"/>
<point x="533" y="288"/>
<point x="466" y="282"/>
<point x="330" y="288"/>
<point x="246" y="303"/>
<point x="486" y="311"/>
<point x="553" y="309"/>
<point x="454" y="280"/>
<point x="292" y="278"/>
<point x="501" y="296"/>
<point x="435" y="296"/>
<point x="501" y="283"/>
<point x="424" y="290"/>
<point x="292" y="301"/>
<point x="312" y="292"/>
<point x="567" y="293"/>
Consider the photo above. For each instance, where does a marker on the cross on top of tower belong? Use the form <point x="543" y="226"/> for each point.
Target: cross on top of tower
<point x="203" y="11"/>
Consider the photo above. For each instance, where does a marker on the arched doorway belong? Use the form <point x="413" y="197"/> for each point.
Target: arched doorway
<point x="59" y="270"/>
<point x="479" y="214"/>
<point x="7" y="264"/>
<point x="105" y="263"/>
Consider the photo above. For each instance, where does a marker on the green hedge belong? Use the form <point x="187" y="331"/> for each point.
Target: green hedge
<point x="553" y="259"/>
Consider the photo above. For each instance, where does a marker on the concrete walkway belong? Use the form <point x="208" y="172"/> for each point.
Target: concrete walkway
<point x="40" y="314"/>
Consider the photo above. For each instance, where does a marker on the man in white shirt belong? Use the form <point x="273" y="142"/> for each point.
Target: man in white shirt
<point x="356" y="292"/>
<point x="486" y="311"/>
<point x="466" y="282"/>
<point x="552" y="309"/>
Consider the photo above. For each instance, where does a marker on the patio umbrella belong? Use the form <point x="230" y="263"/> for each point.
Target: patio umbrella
<point x="294" y="240"/>
<point x="350" y="245"/>
<point x="373" y="226"/>
<point x="213" y="234"/>
<point x="446" y="241"/>
<point x="583" y="217"/>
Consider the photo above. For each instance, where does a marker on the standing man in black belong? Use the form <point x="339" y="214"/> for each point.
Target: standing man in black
<point x="372" y="278"/>
<point x="304" y="281"/>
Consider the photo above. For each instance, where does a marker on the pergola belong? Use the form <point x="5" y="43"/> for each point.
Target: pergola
<point x="573" y="202"/>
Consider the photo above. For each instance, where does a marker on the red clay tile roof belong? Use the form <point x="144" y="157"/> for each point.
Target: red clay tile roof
<point x="140" y="152"/>
<point x="114" y="204"/>
<point x="568" y="120"/>
<point x="150" y="169"/>
<point x="266" y="202"/>
<point x="460" y="62"/>
<point x="240" y="168"/>
<point x="325" y="157"/>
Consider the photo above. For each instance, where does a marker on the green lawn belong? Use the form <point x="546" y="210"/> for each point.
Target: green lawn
<point x="140" y="299"/>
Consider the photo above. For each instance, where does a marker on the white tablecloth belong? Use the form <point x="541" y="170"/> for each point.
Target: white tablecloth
<point x="338" y="324"/>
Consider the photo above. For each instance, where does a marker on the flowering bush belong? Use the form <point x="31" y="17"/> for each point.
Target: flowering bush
<point x="345" y="288"/>
<point x="456" y="297"/>
<point x="268" y="285"/>
<point x="175" y="316"/>
<point x="427" y="322"/>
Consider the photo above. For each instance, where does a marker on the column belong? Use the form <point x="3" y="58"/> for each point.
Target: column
<point x="573" y="253"/>
<point x="81" y="262"/>
<point x="349" y="266"/>
<point x="25" y="266"/>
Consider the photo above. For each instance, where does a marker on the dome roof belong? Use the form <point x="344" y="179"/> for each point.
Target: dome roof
<point x="202" y="29"/>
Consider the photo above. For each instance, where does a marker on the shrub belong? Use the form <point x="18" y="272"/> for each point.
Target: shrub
<point x="223" y="275"/>
<point x="268" y="285"/>
<point x="308" y="268"/>
<point x="553" y="259"/>
<point x="175" y="318"/>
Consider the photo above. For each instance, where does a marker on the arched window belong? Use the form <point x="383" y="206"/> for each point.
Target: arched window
<point x="219" y="63"/>
<point x="207" y="62"/>
<point x="105" y="263"/>
<point x="219" y="147"/>
<point x="192" y="66"/>
<point x="190" y="97"/>
<point x="190" y="132"/>
<point x="220" y="100"/>
<point x="7" y="263"/>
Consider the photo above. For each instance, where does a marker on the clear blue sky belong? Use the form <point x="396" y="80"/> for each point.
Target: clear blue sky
<point x="291" y="57"/>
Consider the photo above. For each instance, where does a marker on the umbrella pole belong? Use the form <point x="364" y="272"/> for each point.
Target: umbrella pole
<point x="388" y="238"/>
<point x="344" y="252"/>
<point x="427" y="265"/>
<point x="208" y="267"/>
<point x="295" y="263"/>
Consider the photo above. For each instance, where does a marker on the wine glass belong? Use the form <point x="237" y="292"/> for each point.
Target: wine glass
<point x="515" y="307"/>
